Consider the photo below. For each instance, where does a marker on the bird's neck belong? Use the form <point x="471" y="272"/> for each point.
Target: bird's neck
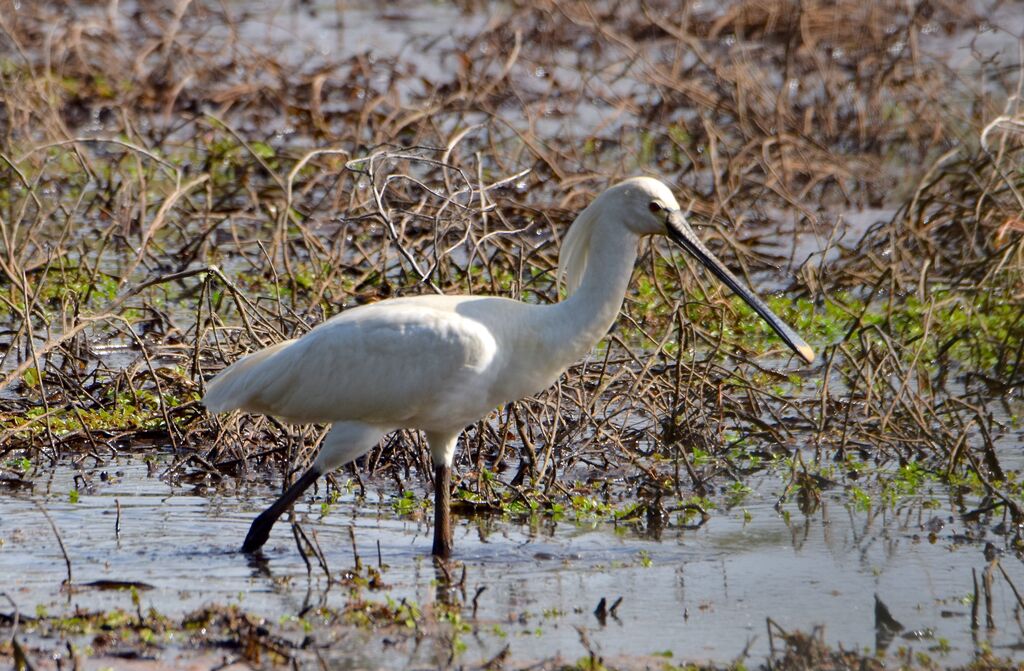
<point x="585" y="317"/>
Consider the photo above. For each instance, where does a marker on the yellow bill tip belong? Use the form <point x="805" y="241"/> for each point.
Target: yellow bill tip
<point x="806" y="352"/>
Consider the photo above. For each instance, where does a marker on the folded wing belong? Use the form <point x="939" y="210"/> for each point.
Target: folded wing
<point x="395" y="363"/>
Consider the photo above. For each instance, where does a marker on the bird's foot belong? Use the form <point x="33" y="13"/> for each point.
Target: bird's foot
<point x="258" y="534"/>
<point x="442" y="549"/>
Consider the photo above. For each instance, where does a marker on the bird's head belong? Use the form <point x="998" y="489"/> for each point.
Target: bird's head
<point x="641" y="204"/>
<point x="648" y="207"/>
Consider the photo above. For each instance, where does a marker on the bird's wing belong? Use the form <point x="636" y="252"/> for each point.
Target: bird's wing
<point x="387" y="364"/>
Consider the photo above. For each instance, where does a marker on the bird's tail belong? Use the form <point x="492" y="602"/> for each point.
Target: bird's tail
<point x="234" y="387"/>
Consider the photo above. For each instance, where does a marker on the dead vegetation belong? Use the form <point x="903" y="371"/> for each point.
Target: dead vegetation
<point x="178" y="195"/>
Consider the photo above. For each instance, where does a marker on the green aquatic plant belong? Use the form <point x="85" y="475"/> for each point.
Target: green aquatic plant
<point x="862" y="501"/>
<point x="408" y="503"/>
<point x="20" y="465"/>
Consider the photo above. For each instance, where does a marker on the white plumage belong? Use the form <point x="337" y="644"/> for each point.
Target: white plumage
<point x="439" y="363"/>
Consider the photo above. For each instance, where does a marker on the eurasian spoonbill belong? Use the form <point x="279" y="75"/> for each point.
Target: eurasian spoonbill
<point x="438" y="363"/>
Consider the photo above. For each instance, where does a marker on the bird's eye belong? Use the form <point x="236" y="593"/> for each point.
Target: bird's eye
<point x="655" y="207"/>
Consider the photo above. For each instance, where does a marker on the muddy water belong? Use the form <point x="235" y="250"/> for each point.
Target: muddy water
<point x="700" y="594"/>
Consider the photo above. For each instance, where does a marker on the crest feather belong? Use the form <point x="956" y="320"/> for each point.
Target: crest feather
<point x="572" y="260"/>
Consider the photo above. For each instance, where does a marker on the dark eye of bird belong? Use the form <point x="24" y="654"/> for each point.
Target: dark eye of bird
<point x="655" y="207"/>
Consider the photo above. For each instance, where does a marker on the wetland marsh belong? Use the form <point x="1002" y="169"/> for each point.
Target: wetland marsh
<point x="183" y="183"/>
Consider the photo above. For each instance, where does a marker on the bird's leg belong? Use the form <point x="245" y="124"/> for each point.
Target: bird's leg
<point x="259" y="532"/>
<point x="442" y="511"/>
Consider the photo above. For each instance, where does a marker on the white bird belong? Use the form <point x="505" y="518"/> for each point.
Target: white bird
<point x="439" y="363"/>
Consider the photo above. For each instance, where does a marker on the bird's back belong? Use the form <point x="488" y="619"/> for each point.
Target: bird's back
<point x="410" y="362"/>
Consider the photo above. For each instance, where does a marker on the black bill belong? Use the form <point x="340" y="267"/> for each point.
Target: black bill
<point x="680" y="232"/>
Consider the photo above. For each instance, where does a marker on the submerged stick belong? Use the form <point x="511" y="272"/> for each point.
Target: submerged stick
<point x="60" y="542"/>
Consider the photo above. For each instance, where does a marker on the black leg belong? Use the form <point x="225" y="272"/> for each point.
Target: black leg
<point x="259" y="532"/>
<point x="442" y="511"/>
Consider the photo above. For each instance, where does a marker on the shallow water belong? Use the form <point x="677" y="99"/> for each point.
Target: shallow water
<point x="702" y="594"/>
